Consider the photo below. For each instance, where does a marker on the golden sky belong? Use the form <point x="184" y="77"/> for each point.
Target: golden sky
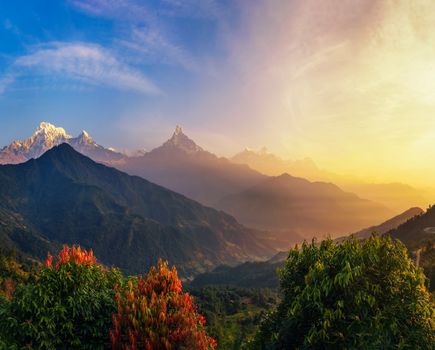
<point x="349" y="83"/>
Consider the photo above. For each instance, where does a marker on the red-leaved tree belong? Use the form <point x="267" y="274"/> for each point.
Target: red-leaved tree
<point x="154" y="313"/>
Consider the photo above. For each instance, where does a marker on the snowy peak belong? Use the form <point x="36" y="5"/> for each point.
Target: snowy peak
<point x="48" y="136"/>
<point x="84" y="139"/>
<point x="178" y="131"/>
<point x="182" y="142"/>
<point x="44" y="138"/>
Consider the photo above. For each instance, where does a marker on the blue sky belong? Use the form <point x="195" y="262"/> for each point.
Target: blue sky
<point x="101" y="65"/>
<point x="350" y="83"/>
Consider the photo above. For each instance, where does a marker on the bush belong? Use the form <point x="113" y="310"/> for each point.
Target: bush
<point x="153" y="313"/>
<point x="12" y="273"/>
<point x="357" y="295"/>
<point x="63" y="306"/>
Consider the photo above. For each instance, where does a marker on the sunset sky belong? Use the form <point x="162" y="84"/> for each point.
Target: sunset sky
<point x="349" y="83"/>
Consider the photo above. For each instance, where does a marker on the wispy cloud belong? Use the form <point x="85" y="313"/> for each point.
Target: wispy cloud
<point x="5" y="82"/>
<point x="144" y="33"/>
<point x="121" y="9"/>
<point x="153" y="47"/>
<point x="87" y="63"/>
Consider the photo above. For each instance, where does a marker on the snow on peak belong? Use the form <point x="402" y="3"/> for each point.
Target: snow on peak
<point x="85" y="137"/>
<point x="46" y="137"/>
<point x="181" y="141"/>
<point x="178" y="130"/>
<point x="51" y="130"/>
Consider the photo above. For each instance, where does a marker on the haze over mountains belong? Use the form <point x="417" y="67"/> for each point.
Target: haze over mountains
<point x="386" y="226"/>
<point x="308" y="208"/>
<point x="183" y="166"/>
<point x="396" y="196"/>
<point x="65" y="197"/>
<point x="293" y="208"/>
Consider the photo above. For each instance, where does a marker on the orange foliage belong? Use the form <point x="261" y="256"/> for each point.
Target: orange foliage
<point x="72" y="254"/>
<point x="153" y="313"/>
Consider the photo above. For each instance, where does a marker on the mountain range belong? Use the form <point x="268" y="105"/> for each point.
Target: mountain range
<point x="307" y="208"/>
<point x="183" y="166"/>
<point x="65" y="197"/>
<point x="46" y="137"/>
<point x="255" y="199"/>
<point x="397" y="196"/>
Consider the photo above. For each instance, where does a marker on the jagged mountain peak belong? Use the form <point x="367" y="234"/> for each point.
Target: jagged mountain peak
<point x="49" y="129"/>
<point x="181" y="141"/>
<point x="178" y="130"/>
<point x="85" y="138"/>
<point x="47" y="136"/>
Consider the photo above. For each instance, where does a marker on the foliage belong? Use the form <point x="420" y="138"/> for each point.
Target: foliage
<point x="427" y="262"/>
<point x="233" y="314"/>
<point x="357" y="295"/>
<point x="67" y="304"/>
<point x="153" y="313"/>
<point x="12" y="272"/>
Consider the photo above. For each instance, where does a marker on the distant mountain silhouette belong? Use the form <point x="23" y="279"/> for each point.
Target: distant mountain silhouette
<point x="309" y="208"/>
<point x="183" y="166"/>
<point x="397" y="196"/>
<point x="65" y="197"/>
<point x="386" y="226"/>
<point x="272" y="165"/>
<point x="418" y="230"/>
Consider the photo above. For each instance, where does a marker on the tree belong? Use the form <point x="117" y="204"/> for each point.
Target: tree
<point x="356" y="295"/>
<point x="154" y="313"/>
<point x="67" y="304"/>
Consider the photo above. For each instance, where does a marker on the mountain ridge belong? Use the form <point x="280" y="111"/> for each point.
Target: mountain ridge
<point x="182" y="166"/>
<point x="312" y="209"/>
<point x="66" y="197"/>
<point x="46" y="137"/>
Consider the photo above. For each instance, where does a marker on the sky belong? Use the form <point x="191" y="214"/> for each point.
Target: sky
<point x="348" y="83"/>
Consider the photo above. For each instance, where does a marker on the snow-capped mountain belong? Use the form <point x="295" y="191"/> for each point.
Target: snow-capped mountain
<point x="46" y="137"/>
<point x="182" y="166"/>
<point x="179" y="141"/>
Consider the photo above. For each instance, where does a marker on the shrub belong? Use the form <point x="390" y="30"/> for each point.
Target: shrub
<point x="12" y="272"/>
<point x="153" y="313"/>
<point x="357" y="295"/>
<point x="66" y="305"/>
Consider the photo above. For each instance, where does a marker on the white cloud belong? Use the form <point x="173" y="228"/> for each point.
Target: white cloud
<point x="89" y="64"/>
<point x="152" y="47"/>
<point x="144" y="33"/>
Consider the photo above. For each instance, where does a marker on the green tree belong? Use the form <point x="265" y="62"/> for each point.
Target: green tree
<point x="63" y="306"/>
<point x="356" y="295"/>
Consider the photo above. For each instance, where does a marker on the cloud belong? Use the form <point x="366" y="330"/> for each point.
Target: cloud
<point x="87" y="63"/>
<point x="119" y="9"/>
<point x="152" y="47"/>
<point x="5" y="82"/>
<point x="144" y="32"/>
